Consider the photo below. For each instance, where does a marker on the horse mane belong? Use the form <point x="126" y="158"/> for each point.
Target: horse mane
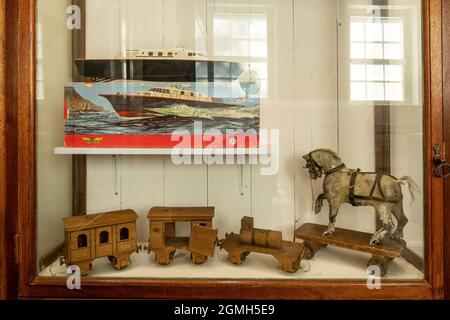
<point x="334" y="154"/>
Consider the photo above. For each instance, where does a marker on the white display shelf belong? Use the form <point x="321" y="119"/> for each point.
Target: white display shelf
<point x="328" y="263"/>
<point x="161" y="151"/>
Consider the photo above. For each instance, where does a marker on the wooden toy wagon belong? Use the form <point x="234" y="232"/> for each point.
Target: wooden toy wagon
<point x="250" y="239"/>
<point x="164" y="242"/>
<point x="109" y="234"/>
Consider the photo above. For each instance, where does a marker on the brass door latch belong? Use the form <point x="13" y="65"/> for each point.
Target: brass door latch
<point x="441" y="166"/>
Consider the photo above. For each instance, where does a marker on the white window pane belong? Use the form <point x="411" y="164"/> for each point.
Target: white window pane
<point x="393" y="32"/>
<point x="221" y="28"/>
<point x="393" y="51"/>
<point x="374" y="51"/>
<point x="375" y="72"/>
<point x="221" y="47"/>
<point x="358" y="91"/>
<point x="374" y="31"/>
<point x="393" y="73"/>
<point x="375" y="91"/>
<point x="357" y="51"/>
<point x="358" y="72"/>
<point x="258" y="29"/>
<point x="394" y="91"/>
<point x="239" y="28"/>
<point x="258" y="48"/>
<point x="357" y="31"/>
<point x="239" y="48"/>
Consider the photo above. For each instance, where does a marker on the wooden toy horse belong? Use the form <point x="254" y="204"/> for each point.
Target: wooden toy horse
<point x="343" y="185"/>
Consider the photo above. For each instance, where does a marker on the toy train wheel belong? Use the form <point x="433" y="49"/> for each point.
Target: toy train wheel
<point x="164" y="257"/>
<point x="238" y="257"/>
<point x="114" y="263"/>
<point x="380" y="262"/>
<point x="198" y="258"/>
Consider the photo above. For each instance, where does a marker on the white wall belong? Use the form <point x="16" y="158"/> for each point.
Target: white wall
<point x="54" y="173"/>
<point x="305" y="102"/>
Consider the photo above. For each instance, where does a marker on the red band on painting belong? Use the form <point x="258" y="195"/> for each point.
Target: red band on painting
<point x="160" y="141"/>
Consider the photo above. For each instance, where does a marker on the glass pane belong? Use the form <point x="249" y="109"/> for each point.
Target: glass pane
<point x="375" y="72"/>
<point x="175" y="123"/>
<point x="374" y="51"/>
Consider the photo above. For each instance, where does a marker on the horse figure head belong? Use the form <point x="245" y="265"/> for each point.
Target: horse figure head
<point x="322" y="161"/>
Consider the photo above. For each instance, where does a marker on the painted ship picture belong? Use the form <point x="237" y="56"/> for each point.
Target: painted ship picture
<point x="141" y="98"/>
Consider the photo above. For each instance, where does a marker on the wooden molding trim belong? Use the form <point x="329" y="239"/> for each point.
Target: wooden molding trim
<point x="3" y="226"/>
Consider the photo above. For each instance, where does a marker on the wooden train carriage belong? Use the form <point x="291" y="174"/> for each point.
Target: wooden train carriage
<point x="269" y="242"/>
<point x="163" y="240"/>
<point x="109" y="234"/>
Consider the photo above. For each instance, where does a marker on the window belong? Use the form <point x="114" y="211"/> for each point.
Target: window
<point x="244" y="38"/>
<point x="124" y="234"/>
<point x="377" y="60"/>
<point x="82" y="241"/>
<point x="104" y="237"/>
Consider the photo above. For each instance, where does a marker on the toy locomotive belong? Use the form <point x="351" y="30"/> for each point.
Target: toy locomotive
<point x="250" y="239"/>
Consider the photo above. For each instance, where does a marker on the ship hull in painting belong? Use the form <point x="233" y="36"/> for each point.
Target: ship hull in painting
<point x="159" y="70"/>
<point x="140" y="106"/>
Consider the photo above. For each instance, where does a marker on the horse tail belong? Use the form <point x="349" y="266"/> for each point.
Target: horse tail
<point x="412" y="186"/>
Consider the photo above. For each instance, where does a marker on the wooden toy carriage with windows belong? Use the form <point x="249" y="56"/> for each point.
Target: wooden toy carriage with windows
<point x="110" y="234"/>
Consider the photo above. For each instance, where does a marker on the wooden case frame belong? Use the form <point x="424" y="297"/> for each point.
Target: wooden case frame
<point x="18" y="214"/>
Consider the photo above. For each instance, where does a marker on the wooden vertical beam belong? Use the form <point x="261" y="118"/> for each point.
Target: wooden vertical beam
<point x="382" y="125"/>
<point x="79" y="170"/>
<point x="3" y="225"/>
<point x="382" y="116"/>
<point x="9" y="235"/>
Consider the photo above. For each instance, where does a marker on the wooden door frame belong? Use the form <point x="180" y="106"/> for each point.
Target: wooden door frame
<point x="446" y="120"/>
<point x="8" y="160"/>
<point x="21" y="187"/>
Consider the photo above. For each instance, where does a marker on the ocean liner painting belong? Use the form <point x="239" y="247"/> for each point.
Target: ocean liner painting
<point x="139" y="99"/>
<point x="140" y="104"/>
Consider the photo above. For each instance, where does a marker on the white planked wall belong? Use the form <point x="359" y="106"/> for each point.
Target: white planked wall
<point x="305" y="103"/>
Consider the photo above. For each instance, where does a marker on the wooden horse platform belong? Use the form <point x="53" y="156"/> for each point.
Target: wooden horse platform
<point x="382" y="255"/>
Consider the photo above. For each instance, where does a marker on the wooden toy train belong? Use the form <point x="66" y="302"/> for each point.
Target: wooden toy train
<point x="164" y="242"/>
<point x="113" y="235"/>
<point x="250" y="239"/>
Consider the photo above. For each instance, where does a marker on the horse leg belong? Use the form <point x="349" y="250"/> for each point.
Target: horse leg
<point x="319" y="202"/>
<point x="334" y="209"/>
<point x="384" y="214"/>
<point x="402" y="220"/>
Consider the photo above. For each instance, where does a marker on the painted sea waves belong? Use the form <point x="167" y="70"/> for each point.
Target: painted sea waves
<point x="145" y="114"/>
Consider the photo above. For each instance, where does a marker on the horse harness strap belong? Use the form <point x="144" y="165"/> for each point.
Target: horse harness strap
<point x="376" y="184"/>
<point x="335" y="169"/>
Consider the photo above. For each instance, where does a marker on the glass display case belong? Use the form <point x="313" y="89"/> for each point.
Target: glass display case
<point x="273" y="147"/>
